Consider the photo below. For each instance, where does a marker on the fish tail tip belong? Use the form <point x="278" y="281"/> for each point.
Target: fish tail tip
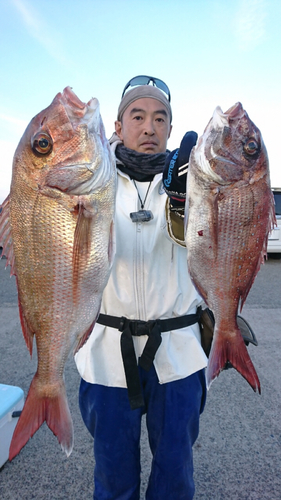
<point x="30" y="420"/>
<point x="59" y="421"/>
<point x="257" y="387"/>
<point x="67" y="449"/>
<point x="13" y="452"/>
<point x="209" y="383"/>
<point x="210" y="377"/>
<point x="37" y="409"/>
<point x="216" y="363"/>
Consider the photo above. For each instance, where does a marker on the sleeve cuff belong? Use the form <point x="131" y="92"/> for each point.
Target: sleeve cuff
<point x="175" y="224"/>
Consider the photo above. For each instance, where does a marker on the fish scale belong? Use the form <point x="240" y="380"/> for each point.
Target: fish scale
<point x="235" y="236"/>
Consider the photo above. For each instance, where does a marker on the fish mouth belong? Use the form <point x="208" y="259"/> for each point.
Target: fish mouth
<point x="218" y="121"/>
<point x="77" y="108"/>
<point x="236" y="112"/>
<point x="221" y="122"/>
<point x="205" y="150"/>
<point x="221" y="119"/>
<point x="83" y="113"/>
<point x="73" y="100"/>
<point x="80" y="113"/>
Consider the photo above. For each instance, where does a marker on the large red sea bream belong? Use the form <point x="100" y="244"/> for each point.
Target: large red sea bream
<point x="230" y="213"/>
<point x="56" y="229"/>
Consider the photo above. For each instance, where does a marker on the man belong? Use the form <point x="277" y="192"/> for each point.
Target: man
<point x="144" y="355"/>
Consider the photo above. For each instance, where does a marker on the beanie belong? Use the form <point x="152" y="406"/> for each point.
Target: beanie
<point x="139" y="93"/>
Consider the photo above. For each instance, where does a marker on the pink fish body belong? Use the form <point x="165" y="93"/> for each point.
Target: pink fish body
<point x="230" y="213"/>
<point x="56" y="229"/>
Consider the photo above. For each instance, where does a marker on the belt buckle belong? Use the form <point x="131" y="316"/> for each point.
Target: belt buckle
<point x="140" y="328"/>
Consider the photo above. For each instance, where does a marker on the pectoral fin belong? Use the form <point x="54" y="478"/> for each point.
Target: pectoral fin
<point x="81" y="245"/>
<point x="111" y="245"/>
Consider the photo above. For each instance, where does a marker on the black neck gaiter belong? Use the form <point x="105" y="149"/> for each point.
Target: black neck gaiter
<point x="140" y="166"/>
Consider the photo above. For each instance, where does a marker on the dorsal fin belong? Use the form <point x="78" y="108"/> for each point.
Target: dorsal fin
<point x="6" y="235"/>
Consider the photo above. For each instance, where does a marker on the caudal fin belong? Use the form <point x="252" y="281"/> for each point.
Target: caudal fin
<point x="38" y="409"/>
<point x="231" y="348"/>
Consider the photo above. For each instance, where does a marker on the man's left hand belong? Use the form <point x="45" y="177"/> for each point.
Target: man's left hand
<point x="175" y="170"/>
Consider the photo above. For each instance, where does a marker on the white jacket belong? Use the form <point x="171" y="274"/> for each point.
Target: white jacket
<point x="149" y="280"/>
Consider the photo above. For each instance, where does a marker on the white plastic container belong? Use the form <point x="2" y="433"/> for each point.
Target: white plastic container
<point x="11" y="400"/>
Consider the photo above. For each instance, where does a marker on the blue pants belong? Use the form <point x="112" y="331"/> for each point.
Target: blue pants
<point x="172" y="417"/>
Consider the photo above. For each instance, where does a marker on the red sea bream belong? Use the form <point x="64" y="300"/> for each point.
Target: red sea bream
<point x="56" y="229"/>
<point x="230" y="213"/>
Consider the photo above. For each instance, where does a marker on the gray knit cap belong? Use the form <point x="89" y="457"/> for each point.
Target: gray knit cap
<point x="140" y="92"/>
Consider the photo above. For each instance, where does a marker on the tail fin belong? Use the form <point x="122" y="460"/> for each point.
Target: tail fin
<point x="38" y="409"/>
<point x="231" y="348"/>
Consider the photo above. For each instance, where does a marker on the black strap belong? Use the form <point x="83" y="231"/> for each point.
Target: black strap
<point x="152" y="329"/>
<point x="165" y="324"/>
<point x="153" y="342"/>
<point x="131" y="369"/>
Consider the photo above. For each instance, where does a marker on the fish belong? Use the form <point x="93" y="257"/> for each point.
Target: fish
<point x="57" y="233"/>
<point x="229" y="214"/>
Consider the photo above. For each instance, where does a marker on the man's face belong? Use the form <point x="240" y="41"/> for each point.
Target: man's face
<point x="145" y="126"/>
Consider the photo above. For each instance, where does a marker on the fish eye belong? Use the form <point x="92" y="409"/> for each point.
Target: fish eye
<point x="42" y="143"/>
<point x="251" y="147"/>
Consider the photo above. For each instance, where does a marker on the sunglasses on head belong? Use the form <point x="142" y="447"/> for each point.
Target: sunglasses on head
<point x="145" y="80"/>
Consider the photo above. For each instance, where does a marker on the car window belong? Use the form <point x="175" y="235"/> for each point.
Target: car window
<point x="277" y="198"/>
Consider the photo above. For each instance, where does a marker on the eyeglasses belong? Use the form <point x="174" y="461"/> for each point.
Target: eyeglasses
<point x="145" y="80"/>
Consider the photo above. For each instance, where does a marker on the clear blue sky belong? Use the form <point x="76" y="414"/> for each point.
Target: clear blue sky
<point x="209" y="52"/>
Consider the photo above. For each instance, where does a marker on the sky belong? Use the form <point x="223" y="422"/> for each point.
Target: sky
<point x="209" y="52"/>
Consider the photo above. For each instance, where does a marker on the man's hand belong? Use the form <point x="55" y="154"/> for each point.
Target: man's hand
<point x="175" y="170"/>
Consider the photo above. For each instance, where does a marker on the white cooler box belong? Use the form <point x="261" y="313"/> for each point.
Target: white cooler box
<point x="11" y="400"/>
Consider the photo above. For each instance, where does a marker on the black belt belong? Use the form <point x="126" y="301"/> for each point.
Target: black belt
<point x="153" y="330"/>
